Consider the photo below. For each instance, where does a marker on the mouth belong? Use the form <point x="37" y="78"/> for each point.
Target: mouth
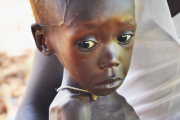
<point x="110" y="83"/>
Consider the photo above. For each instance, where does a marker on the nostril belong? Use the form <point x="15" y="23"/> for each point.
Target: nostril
<point x="111" y="65"/>
<point x="117" y="65"/>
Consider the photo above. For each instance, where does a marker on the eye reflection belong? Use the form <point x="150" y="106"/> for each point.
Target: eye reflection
<point x="86" y="43"/>
<point x="124" y="39"/>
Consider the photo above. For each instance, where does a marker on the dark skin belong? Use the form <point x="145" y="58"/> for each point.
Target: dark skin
<point x="94" y="43"/>
<point x="79" y="106"/>
<point x="95" y="47"/>
<point x="32" y="106"/>
<point x="41" y="97"/>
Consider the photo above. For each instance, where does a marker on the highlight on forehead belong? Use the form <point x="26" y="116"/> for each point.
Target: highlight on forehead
<point x="92" y="10"/>
<point x="59" y="12"/>
<point x="48" y="11"/>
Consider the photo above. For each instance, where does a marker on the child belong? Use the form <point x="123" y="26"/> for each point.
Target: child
<point x="93" y="39"/>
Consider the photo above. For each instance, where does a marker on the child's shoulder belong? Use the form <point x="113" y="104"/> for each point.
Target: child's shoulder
<point x="129" y="111"/>
<point x="68" y="106"/>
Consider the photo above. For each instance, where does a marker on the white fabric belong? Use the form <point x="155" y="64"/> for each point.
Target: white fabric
<point x="152" y="86"/>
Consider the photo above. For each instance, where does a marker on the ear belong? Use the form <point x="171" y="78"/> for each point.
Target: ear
<point x="40" y="39"/>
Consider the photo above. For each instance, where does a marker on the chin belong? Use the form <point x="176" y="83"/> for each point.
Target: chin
<point x="105" y="88"/>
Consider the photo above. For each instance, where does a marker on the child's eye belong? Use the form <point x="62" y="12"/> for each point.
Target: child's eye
<point x="124" y="39"/>
<point x="86" y="44"/>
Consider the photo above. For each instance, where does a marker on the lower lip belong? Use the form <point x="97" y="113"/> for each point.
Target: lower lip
<point x="109" y="85"/>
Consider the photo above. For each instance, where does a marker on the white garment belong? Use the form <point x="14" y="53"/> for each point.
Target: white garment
<point x="152" y="86"/>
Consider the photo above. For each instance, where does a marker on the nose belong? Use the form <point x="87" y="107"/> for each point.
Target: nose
<point x="109" y="58"/>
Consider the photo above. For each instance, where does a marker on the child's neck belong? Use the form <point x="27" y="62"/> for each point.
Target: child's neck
<point x="69" y="81"/>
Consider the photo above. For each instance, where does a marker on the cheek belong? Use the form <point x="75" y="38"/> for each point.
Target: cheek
<point x="81" y="65"/>
<point x="126" y="56"/>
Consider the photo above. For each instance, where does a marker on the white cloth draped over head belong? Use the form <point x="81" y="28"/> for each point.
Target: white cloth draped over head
<point x="152" y="85"/>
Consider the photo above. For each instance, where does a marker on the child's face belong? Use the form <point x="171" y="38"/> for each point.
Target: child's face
<point x="95" y="42"/>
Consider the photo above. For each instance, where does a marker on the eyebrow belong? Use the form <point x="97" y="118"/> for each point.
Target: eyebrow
<point x="90" y="26"/>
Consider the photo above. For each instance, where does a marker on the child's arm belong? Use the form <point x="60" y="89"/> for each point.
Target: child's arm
<point x="46" y="75"/>
<point x="68" y="109"/>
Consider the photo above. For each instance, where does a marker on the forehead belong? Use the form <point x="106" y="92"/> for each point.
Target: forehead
<point x="68" y="11"/>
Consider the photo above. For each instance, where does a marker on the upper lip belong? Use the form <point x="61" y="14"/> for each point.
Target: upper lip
<point x="112" y="80"/>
